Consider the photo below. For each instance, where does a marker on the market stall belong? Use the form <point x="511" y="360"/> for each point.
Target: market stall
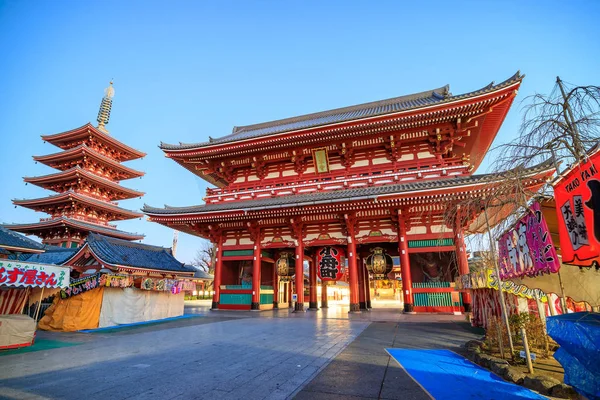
<point x="20" y="281"/>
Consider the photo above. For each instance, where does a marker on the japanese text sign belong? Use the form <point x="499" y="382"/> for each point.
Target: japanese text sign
<point x="330" y="263"/>
<point x="22" y="274"/>
<point x="577" y="196"/>
<point x="527" y="249"/>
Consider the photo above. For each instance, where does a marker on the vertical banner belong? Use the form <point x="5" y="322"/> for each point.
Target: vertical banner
<point x="577" y="196"/>
<point x="527" y="248"/>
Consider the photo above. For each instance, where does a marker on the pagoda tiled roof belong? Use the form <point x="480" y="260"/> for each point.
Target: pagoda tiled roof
<point x="82" y="132"/>
<point x="71" y="195"/>
<point x="85" y="150"/>
<point x="361" y="111"/>
<point x="119" y="252"/>
<point x="75" y="224"/>
<point x="342" y="195"/>
<point x="56" y="256"/>
<point x="13" y="240"/>
<point x="63" y="175"/>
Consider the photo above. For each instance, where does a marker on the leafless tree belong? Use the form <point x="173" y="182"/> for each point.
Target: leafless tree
<point x="205" y="257"/>
<point x="563" y="125"/>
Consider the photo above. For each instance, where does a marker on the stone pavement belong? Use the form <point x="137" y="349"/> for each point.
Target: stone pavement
<point x="364" y="370"/>
<point x="234" y="355"/>
<point x="220" y="357"/>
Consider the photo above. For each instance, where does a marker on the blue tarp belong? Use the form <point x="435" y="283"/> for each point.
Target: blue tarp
<point x="578" y="335"/>
<point x="446" y="375"/>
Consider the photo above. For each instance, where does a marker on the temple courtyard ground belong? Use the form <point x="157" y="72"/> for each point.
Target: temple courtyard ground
<point x="326" y="354"/>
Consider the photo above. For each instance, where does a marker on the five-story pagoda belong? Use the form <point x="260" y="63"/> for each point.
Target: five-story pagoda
<point x="88" y="184"/>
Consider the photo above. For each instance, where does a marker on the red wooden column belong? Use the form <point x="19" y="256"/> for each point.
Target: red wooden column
<point x="367" y="288"/>
<point x="352" y="266"/>
<point x="312" y="278"/>
<point x="298" y="232"/>
<point x="405" y="264"/>
<point x="362" y="299"/>
<point x="256" y="264"/>
<point x="461" y="258"/>
<point x="217" y="238"/>
<point x="324" y="303"/>
<point x="275" y="287"/>
<point x="300" y="275"/>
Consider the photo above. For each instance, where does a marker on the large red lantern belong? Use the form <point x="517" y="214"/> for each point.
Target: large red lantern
<point x="577" y="196"/>
<point x="330" y="263"/>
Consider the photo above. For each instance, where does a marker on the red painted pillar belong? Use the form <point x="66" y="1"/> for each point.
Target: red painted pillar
<point x="300" y="275"/>
<point x="353" y="275"/>
<point x="324" y="303"/>
<point x="367" y="288"/>
<point x="463" y="264"/>
<point x="256" y="264"/>
<point x="312" y="278"/>
<point x="218" y="271"/>
<point x="405" y="265"/>
<point x="362" y="299"/>
<point x="275" y="287"/>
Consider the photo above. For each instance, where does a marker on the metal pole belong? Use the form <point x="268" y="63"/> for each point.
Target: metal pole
<point x="563" y="299"/>
<point x="37" y="311"/>
<point x="527" y="353"/>
<point x="500" y="344"/>
<point x="502" y="302"/>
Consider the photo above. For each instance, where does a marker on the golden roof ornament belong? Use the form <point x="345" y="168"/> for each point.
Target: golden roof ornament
<point x="105" y="106"/>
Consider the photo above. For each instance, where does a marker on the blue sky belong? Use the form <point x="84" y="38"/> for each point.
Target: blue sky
<point x="185" y="70"/>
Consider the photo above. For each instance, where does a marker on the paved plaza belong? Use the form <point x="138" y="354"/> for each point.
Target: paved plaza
<point x="234" y="355"/>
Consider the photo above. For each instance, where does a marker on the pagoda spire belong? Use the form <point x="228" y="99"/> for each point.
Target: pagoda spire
<point x="105" y="106"/>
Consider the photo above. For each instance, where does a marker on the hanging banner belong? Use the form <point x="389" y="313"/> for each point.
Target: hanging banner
<point x="486" y="279"/>
<point x="527" y="248"/>
<point x="82" y="285"/>
<point x="23" y="274"/>
<point x="577" y="196"/>
<point x="330" y="263"/>
<point x="167" y="285"/>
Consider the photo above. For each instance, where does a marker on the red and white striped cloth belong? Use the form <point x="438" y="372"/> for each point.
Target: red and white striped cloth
<point x="12" y="301"/>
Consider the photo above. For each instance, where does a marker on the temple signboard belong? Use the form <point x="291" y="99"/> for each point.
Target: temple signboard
<point x="527" y="249"/>
<point x="577" y="196"/>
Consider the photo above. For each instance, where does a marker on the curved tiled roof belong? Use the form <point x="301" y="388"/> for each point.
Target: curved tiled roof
<point x="83" y="149"/>
<point x="340" y="195"/>
<point x="9" y="238"/>
<point x="55" y="256"/>
<point x="366" y="110"/>
<point x="85" y="226"/>
<point x="138" y="255"/>
<point x="71" y="195"/>
<point x="38" y="180"/>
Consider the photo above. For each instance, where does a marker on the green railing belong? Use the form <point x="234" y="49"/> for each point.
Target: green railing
<point x="231" y="298"/>
<point x="266" y="298"/>
<point x="415" y="244"/>
<point x="435" y="299"/>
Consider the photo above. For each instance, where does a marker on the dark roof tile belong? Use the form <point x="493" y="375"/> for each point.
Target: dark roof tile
<point x="372" y="109"/>
<point x="138" y="255"/>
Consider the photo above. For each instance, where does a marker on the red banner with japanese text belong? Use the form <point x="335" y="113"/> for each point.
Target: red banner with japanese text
<point x="577" y="196"/>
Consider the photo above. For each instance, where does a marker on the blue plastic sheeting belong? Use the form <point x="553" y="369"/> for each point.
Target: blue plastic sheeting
<point x="446" y="375"/>
<point x="578" y="335"/>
